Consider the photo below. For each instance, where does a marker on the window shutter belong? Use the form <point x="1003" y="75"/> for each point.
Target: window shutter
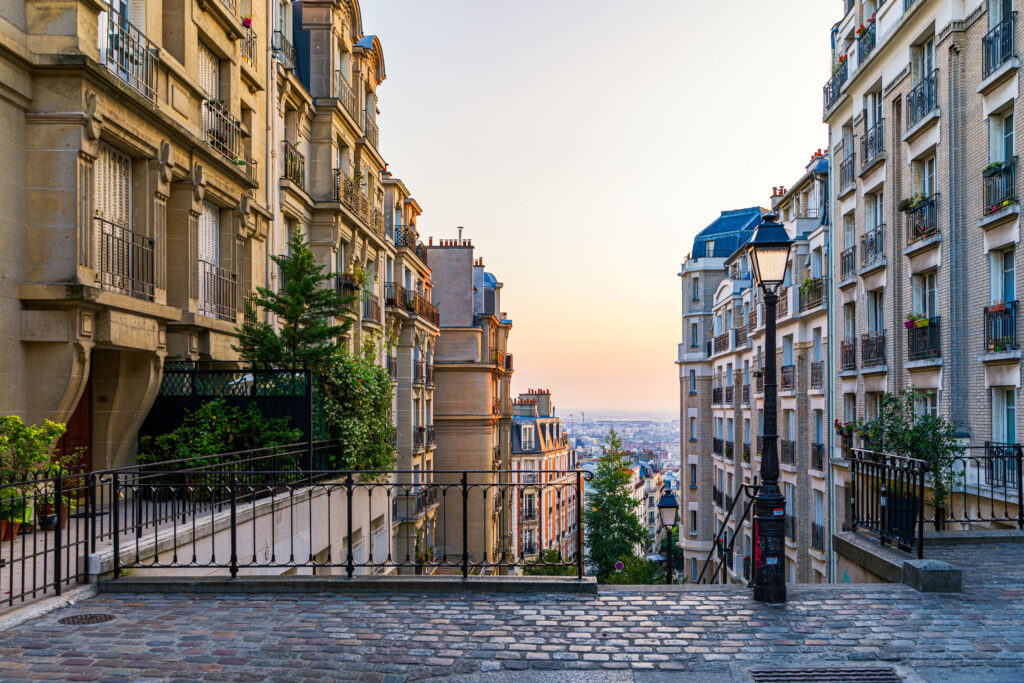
<point x="209" y="234"/>
<point x="209" y="72"/>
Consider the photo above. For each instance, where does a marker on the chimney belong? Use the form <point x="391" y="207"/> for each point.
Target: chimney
<point x="460" y="234"/>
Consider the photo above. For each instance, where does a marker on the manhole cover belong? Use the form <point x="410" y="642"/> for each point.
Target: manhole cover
<point x="877" y="674"/>
<point x="81" y="619"/>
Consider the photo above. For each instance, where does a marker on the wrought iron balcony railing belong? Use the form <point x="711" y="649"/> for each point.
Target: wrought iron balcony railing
<point x="249" y="47"/>
<point x="716" y="395"/>
<point x="782" y="310"/>
<point x="125" y="262"/>
<point x="787" y="452"/>
<point x="848" y="354"/>
<point x="294" y="164"/>
<point x="729" y="452"/>
<point x="866" y="43"/>
<point x="222" y="132"/>
<point x="217" y="291"/>
<point x="1001" y="327"/>
<point x="371" y="308"/>
<point x="746" y="452"/>
<point x="998" y="45"/>
<point x="722" y="342"/>
<point x="352" y="194"/>
<point x="130" y="56"/>
<point x="717" y="446"/>
<point x="741" y="336"/>
<point x="812" y="293"/>
<point x="746" y="393"/>
<point x="394" y="294"/>
<point x="873" y="142"/>
<point x="847" y="171"/>
<point x="419" y="372"/>
<point x="872" y="349"/>
<point x="923" y="219"/>
<point x="344" y="93"/>
<point x="848" y="263"/>
<point x="872" y="246"/>
<point x="834" y="87"/>
<point x="791" y="527"/>
<point x="1000" y="182"/>
<point x="284" y="50"/>
<point x="787" y="378"/>
<point x="921" y="100"/>
<point x="716" y="496"/>
<point x="818" y="537"/>
<point x="818" y="374"/>
<point x="729" y="394"/>
<point x="392" y="364"/>
<point x="371" y="130"/>
<point x="818" y="456"/>
<point x="925" y="342"/>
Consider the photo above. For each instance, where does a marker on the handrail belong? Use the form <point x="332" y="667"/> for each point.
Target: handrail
<point x="751" y="492"/>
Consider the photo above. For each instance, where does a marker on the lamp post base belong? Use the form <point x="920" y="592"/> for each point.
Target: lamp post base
<point x="769" y="594"/>
<point x="769" y="545"/>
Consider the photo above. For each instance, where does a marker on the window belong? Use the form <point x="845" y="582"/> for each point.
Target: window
<point x="849" y="321"/>
<point x="924" y="294"/>
<point x="1001" y="137"/>
<point x="787" y="350"/>
<point x="1003" y="275"/>
<point x="693" y="381"/>
<point x="693" y="429"/>
<point x="693" y="525"/>
<point x="819" y="508"/>
<point x="924" y="176"/>
<point x="819" y="427"/>
<point x="746" y="431"/>
<point x="527" y="437"/>
<point x="693" y="476"/>
<point x="873" y="211"/>
<point x="876" y="310"/>
<point x="693" y="568"/>
<point x="112" y="186"/>
<point x="849" y="407"/>
<point x="849" y="230"/>
<point x="873" y="403"/>
<point x="696" y="286"/>
<point x="999" y="11"/>
<point x="209" y="72"/>
<point x="816" y="345"/>
<point x="873" y="108"/>
<point x="923" y="60"/>
<point x="209" y="237"/>
<point x="926" y="402"/>
<point x="694" y="335"/>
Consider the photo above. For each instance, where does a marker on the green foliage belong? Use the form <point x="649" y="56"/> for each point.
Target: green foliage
<point x="304" y="308"/>
<point x="900" y="430"/>
<point x="213" y="429"/>
<point x="23" y="448"/>
<point x="637" y="571"/>
<point x="549" y="556"/>
<point x="357" y="412"/>
<point x="613" y="529"/>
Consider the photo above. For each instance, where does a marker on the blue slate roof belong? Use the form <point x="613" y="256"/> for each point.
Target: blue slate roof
<point x="726" y="233"/>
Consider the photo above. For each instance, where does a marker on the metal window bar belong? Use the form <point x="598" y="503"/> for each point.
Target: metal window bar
<point x="221" y="131"/>
<point x="125" y="263"/>
<point x="217" y="291"/>
<point x="130" y="55"/>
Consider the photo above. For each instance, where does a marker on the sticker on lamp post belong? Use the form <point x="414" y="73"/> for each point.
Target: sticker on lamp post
<point x="779" y="512"/>
<point x="771" y="560"/>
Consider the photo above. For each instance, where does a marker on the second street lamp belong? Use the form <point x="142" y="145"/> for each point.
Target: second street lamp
<point x="768" y="252"/>
<point x="668" y="510"/>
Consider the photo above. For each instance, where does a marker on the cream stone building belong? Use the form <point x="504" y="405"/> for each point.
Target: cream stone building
<point x="472" y="411"/>
<point x="544" y="507"/>
<point x="921" y="113"/>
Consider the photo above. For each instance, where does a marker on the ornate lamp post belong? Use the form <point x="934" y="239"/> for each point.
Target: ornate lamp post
<point x="668" y="510"/>
<point x="768" y="252"/>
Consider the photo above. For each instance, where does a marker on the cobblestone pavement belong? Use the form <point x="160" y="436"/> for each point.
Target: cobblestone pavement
<point x="630" y="634"/>
<point x="983" y="563"/>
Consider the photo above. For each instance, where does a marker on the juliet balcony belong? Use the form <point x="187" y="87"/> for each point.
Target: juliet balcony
<point x="865" y="43"/>
<point x="922" y="99"/>
<point x="787" y="378"/>
<point x="872" y="349"/>
<point x="345" y="95"/>
<point x="848" y="263"/>
<point x="1001" y="327"/>
<point x="294" y="164"/>
<point x="924" y="342"/>
<point x="818" y="374"/>
<point x="924" y="219"/>
<point x="130" y="56"/>
<point x="873" y="143"/>
<point x="848" y="355"/>
<point x="351" y="193"/>
<point x="125" y="262"/>
<point x="834" y="87"/>
<point x="847" y="172"/>
<point x="998" y="46"/>
<point x="283" y="48"/>
<point x="999" y="179"/>
<point x="812" y="293"/>
<point x="221" y="131"/>
<point x="872" y="246"/>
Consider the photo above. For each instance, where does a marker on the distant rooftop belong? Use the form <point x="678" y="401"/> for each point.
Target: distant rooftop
<point x="726" y="233"/>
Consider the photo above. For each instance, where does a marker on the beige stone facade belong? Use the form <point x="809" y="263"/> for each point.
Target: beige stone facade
<point x="923" y="108"/>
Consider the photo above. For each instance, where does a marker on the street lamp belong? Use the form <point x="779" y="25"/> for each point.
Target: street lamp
<point x="668" y="510"/>
<point x="768" y="252"/>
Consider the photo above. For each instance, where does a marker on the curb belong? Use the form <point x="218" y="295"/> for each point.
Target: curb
<point x="35" y="610"/>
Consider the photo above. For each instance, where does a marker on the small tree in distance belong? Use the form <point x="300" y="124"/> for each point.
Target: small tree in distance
<point x="543" y="568"/>
<point x="613" y="529"/>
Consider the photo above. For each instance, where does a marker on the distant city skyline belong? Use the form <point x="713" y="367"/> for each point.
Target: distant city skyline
<point x="582" y="145"/>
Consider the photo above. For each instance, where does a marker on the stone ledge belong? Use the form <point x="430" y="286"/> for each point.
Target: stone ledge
<point x="890" y="564"/>
<point x="358" y="584"/>
<point x="999" y="74"/>
<point x="877" y="264"/>
<point x="1012" y="211"/>
<point x="926" y="121"/>
<point x="924" y="363"/>
<point x="972" y="537"/>
<point x="932" y="576"/>
<point x="1000" y="356"/>
<point x="930" y="242"/>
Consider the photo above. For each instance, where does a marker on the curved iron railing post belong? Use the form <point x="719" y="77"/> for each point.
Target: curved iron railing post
<point x="465" y="527"/>
<point x="579" y="526"/>
<point x="234" y="526"/>
<point x="349" y="568"/>
<point x="90" y="505"/>
<point x="115" y="509"/>
<point x="58" y="493"/>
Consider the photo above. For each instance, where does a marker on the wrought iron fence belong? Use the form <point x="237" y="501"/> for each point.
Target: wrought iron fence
<point x="998" y="45"/>
<point x="130" y="55"/>
<point x="921" y="100"/>
<point x="294" y="164"/>
<point x="392" y="365"/>
<point x="284" y="50"/>
<point x="782" y="310"/>
<point x="848" y="263"/>
<point x="716" y="496"/>
<point x="925" y="342"/>
<point x="887" y="497"/>
<point x="1000" y="185"/>
<point x="1001" y="327"/>
<point x="394" y="294"/>
<point x="790" y="527"/>
<point x="985" y="486"/>
<point x="873" y="142"/>
<point x="872" y="348"/>
<point x="923" y="219"/>
<point x="217" y="291"/>
<point x="848" y="354"/>
<point x="872" y="245"/>
<point x="221" y="130"/>
<point x="125" y="263"/>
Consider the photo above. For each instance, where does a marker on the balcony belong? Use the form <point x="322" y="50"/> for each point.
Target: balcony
<point x="752" y="320"/>
<point x="759" y="382"/>
<point x="873" y="142"/>
<point x="217" y="292"/>
<point x="818" y="374"/>
<point x="722" y="343"/>
<point x="419" y="438"/>
<point x="923" y="215"/>
<point x="509" y="364"/>
<point x="716" y="395"/>
<point x="716" y="496"/>
<point x="872" y="349"/>
<point x="729" y="452"/>
<point x="741" y="336"/>
<point x="419" y="372"/>
<point x="818" y="537"/>
<point x="717" y="446"/>
<point x="847" y="172"/>
<point x="130" y="56"/>
<point x="818" y="457"/>
<point x="787" y="452"/>
<point x="746" y="394"/>
<point x="872" y="246"/>
<point x="1001" y="327"/>
<point x="394" y="294"/>
<point x="252" y="170"/>
<point x="791" y="527"/>
<point x="221" y="131"/>
<point x="294" y="164"/>
<point x="415" y="502"/>
<point x="249" y="47"/>
<point x="999" y="179"/>
<point x="347" y="281"/>
<point x="430" y="375"/>
<point x="746" y="452"/>
<point x="848" y="263"/>
<point x="529" y="477"/>
<point x="834" y="87"/>
<point x="921" y="100"/>
<point x="125" y="262"/>
<point x="998" y="46"/>
<point x="923" y="343"/>
<point x="345" y="95"/>
<point x="848" y="354"/>
<point x="431" y="436"/>
<point x="812" y="293"/>
<point x="530" y="514"/>
<point x="496" y="406"/>
<point x="865" y="43"/>
<point x="787" y="377"/>
<point x="371" y="308"/>
<point x="728" y="504"/>
<point x="782" y="310"/>
<point x="729" y="395"/>
<point x="370" y="129"/>
<point x="352" y="193"/>
<point x="284" y="50"/>
<point x="392" y="365"/>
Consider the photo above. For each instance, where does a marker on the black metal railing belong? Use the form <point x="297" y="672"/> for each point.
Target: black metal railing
<point x="415" y="503"/>
<point x="865" y="43"/>
<point x="787" y="452"/>
<point x="1000" y="185"/>
<point x="741" y="336"/>
<point x="294" y="164"/>
<point x="847" y="171"/>
<point x="1001" y="327"/>
<point x="873" y="142"/>
<point x="345" y="94"/>
<point x="923" y="219"/>
<point x="790" y="527"/>
<point x="717" y="446"/>
<point x="818" y="457"/>
<point x="729" y="394"/>
<point x="217" y="291"/>
<point x="722" y="342"/>
<point x="392" y="365"/>
<point x="848" y="354"/>
<point x="716" y="395"/>
<point x="722" y="554"/>
<point x="284" y="50"/>
<point x="249" y="47"/>
<point x="394" y="294"/>
<point x="746" y="393"/>
<point x="729" y="452"/>
<point x="848" y="263"/>
<point x="44" y="532"/>
<point x="925" y="342"/>
<point x="130" y="55"/>
<point x="888" y="497"/>
<point x="782" y="309"/>
<point x="125" y="262"/>
<point x="872" y="245"/>
<point x="998" y="45"/>
<point x="716" y="496"/>
<point x="834" y="87"/>
<point x="787" y="378"/>
<point x="759" y="383"/>
<point x="371" y="308"/>
<point x="419" y="372"/>
<point x="818" y="537"/>
<point x="352" y="193"/>
<point x="872" y="349"/>
<point x="921" y="100"/>
<point x="370" y="130"/>
<point x="222" y="132"/>
<point x="818" y="374"/>
<point x="746" y="452"/>
<point x="812" y="293"/>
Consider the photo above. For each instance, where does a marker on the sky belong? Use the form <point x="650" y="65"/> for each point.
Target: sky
<point x="582" y="144"/>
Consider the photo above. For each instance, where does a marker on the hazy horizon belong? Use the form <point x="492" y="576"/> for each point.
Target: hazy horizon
<point x="583" y="145"/>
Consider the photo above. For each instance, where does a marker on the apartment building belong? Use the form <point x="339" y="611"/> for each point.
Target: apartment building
<point x="921" y="114"/>
<point x="544" y="508"/>
<point x="472" y="407"/>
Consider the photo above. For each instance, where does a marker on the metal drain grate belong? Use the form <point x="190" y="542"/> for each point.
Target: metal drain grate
<point x="875" y="674"/>
<point x="83" y="619"/>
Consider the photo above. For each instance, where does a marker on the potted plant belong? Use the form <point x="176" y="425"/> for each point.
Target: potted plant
<point x="839" y="64"/>
<point x="910" y="204"/>
<point x="23" y="448"/>
<point x="993" y="169"/>
<point x="997" y="306"/>
<point x="247" y="22"/>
